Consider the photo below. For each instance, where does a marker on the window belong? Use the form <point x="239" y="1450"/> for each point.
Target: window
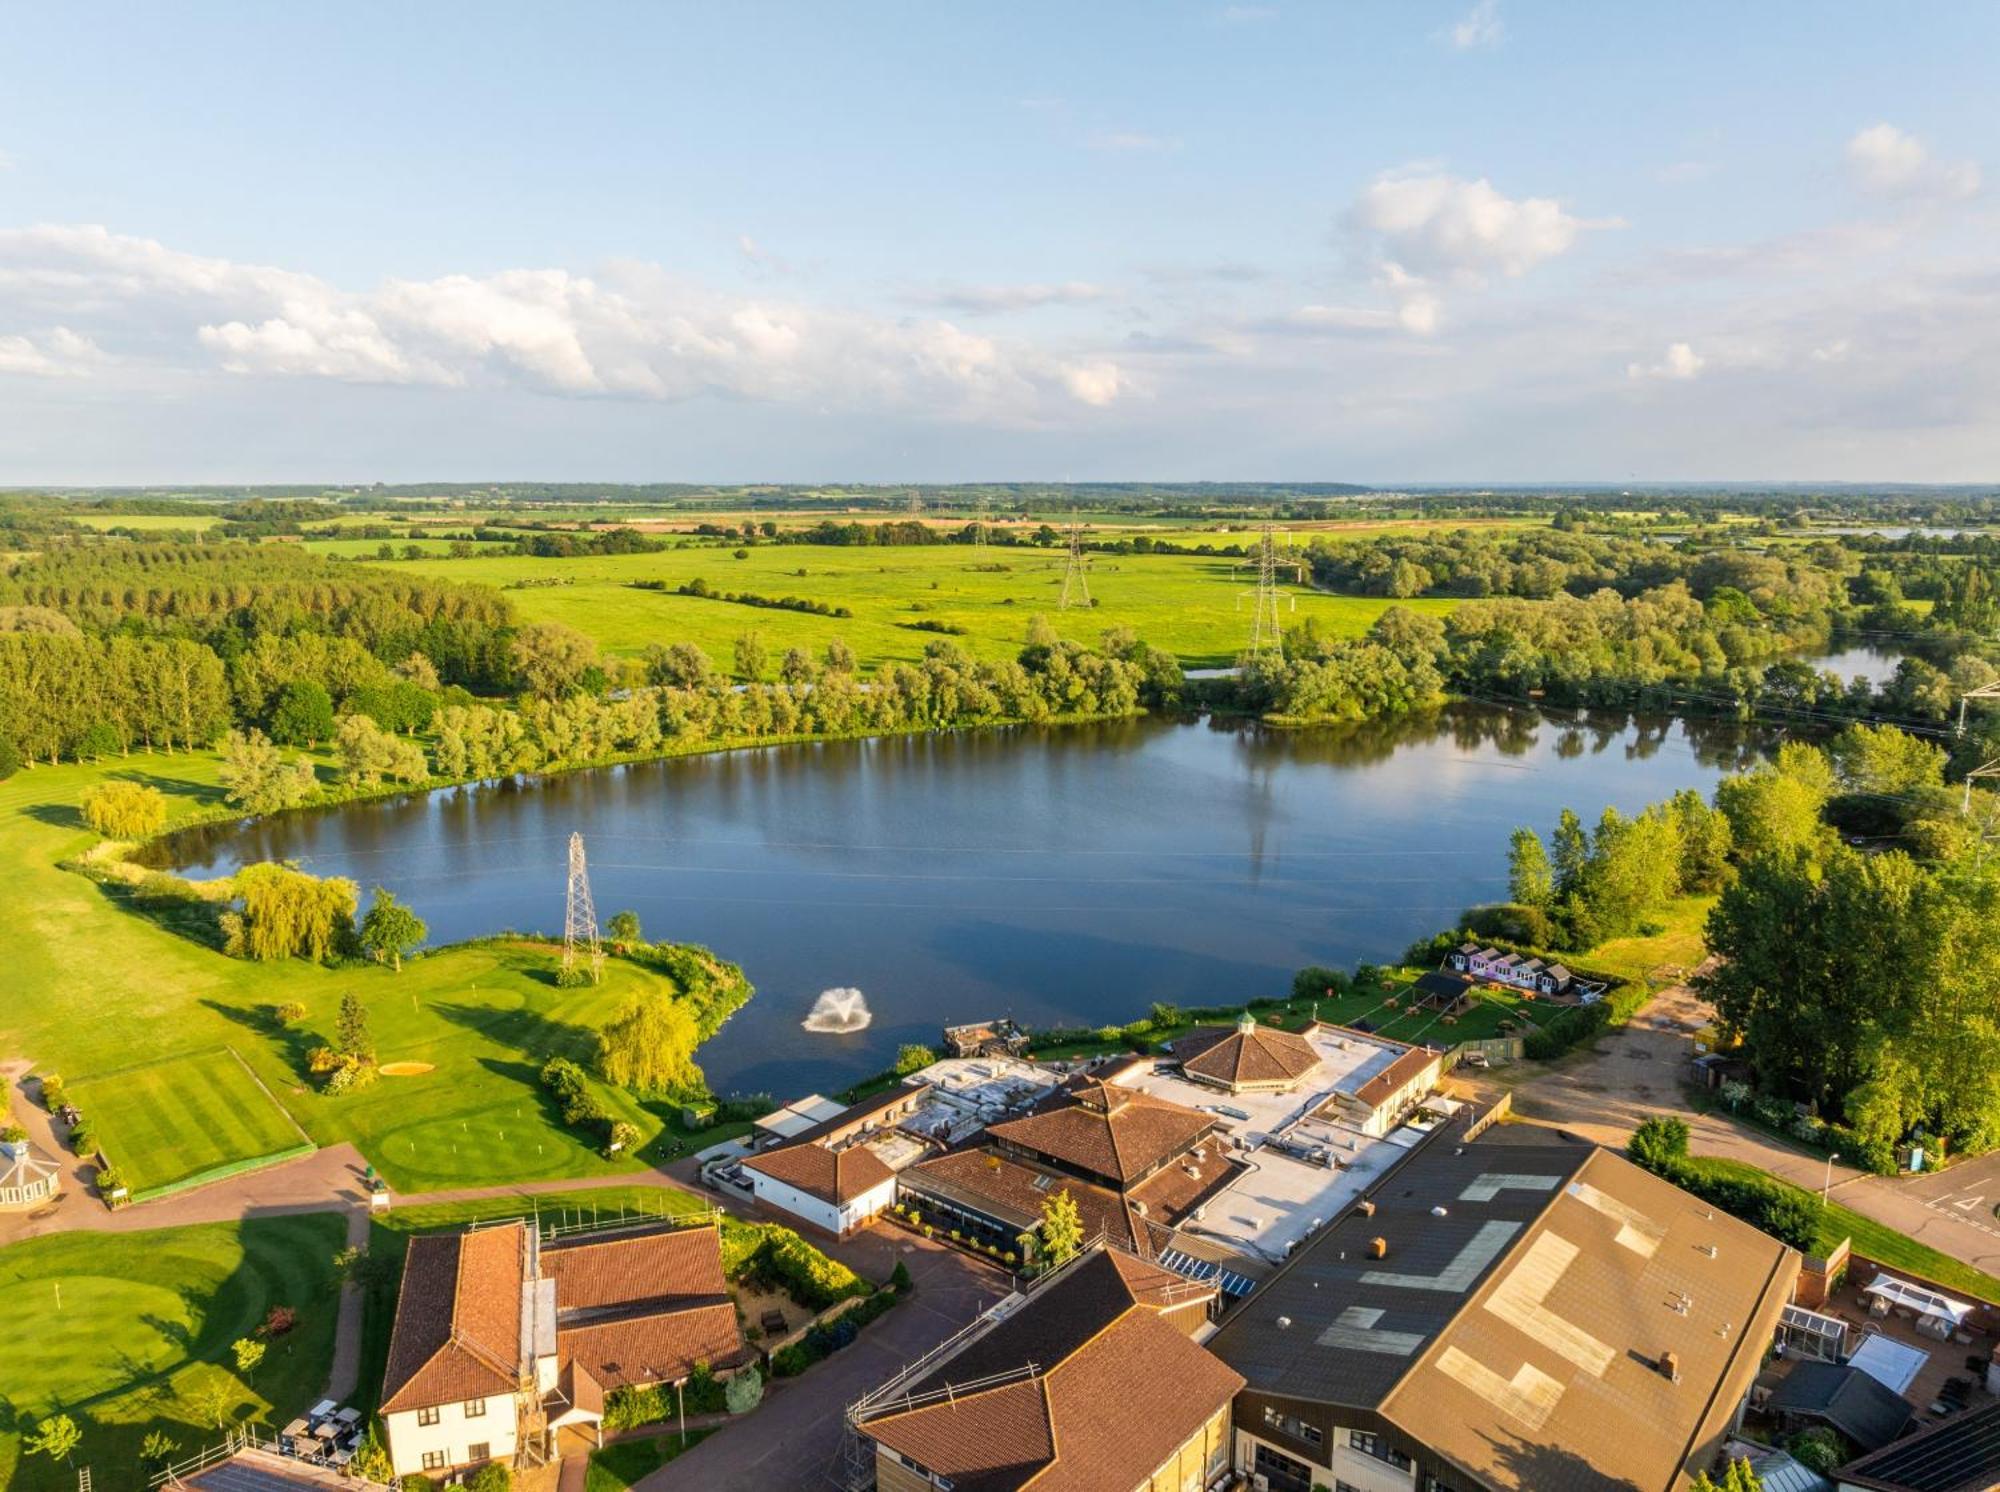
<point x="428" y="1416"/>
<point x="1432" y="1484"/>
<point x="479" y="1450"/>
<point x="475" y="1408"/>
<point x="433" y="1460"/>
<point x="1370" y="1444"/>
<point x="1293" y="1426"/>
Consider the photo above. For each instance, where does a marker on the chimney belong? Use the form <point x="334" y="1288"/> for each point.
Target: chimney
<point x="1378" y="1248"/>
<point x="1670" y="1366"/>
<point x="1366" y="1207"/>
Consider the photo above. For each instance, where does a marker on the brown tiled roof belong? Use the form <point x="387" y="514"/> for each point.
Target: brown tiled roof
<point x="1246" y="1054"/>
<point x="1114" y="1132"/>
<point x="834" y="1176"/>
<point x="658" y="1347"/>
<point x="600" y="1273"/>
<point x="457" y="1333"/>
<point x="580" y="1389"/>
<point x="1380" y="1088"/>
<point x="1008" y="1188"/>
<point x="1113" y="1391"/>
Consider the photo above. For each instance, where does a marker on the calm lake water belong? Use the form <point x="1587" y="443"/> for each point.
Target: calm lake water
<point x="1063" y="876"/>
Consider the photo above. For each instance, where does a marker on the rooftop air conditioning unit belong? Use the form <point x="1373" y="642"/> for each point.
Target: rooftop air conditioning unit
<point x="1260" y="1483"/>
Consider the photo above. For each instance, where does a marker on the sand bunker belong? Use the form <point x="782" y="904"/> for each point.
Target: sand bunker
<point x="406" y="1069"/>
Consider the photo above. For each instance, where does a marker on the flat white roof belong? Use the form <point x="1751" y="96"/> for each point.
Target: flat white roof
<point x="798" y="1116"/>
<point x="1890" y="1363"/>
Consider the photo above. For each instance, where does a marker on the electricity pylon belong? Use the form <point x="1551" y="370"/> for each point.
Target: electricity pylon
<point x="979" y="524"/>
<point x="580" y="918"/>
<point x="1265" y="630"/>
<point x="1075" y="583"/>
<point x="916" y="503"/>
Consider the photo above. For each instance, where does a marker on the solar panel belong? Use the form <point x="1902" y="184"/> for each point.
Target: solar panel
<point x="1207" y="1272"/>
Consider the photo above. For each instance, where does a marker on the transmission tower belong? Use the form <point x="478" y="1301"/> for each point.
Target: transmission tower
<point x="580" y="918"/>
<point x="916" y="503"/>
<point x="1076" y="585"/>
<point x="1265" y="629"/>
<point x="979" y="524"/>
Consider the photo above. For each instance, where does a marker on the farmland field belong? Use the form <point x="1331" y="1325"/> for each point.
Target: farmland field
<point x="163" y="1122"/>
<point x="1191" y="605"/>
<point x="129" y="1332"/>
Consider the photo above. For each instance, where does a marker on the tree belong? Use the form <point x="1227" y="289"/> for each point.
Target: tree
<point x="494" y="1476"/>
<point x="1572" y="854"/>
<point x="289" y="914"/>
<point x="550" y="659"/>
<point x="258" y="779"/>
<point x="1530" y="882"/>
<point x="649" y="1048"/>
<point x="913" y="1057"/>
<point x="368" y="754"/>
<point x="1062" y="1226"/>
<point x="302" y="714"/>
<point x="750" y="657"/>
<point x="390" y="929"/>
<point x="249" y="1352"/>
<point x="351" y="1037"/>
<point x="840" y="657"/>
<point x="1819" y="1449"/>
<point x="158" y="1448"/>
<point x="124" y="810"/>
<point x="1881" y="760"/>
<point x="1736" y="1477"/>
<point x="623" y="927"/>
<point x="744" y="1392"/>
<point x="56" y="1437"/>
<point x="1659" y="1144"/>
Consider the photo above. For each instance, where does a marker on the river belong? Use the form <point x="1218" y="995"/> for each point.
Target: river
<point x="1064" y="876"/>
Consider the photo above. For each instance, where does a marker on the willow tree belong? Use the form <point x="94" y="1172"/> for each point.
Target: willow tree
<point x="649" y="1048"/>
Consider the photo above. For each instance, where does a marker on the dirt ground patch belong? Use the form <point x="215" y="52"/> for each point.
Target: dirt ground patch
<point x="406" y="1069"/>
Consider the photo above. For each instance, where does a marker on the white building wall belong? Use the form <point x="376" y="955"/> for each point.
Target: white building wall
<point x="453" y="1434"/>
<point x="787" y="1198"/>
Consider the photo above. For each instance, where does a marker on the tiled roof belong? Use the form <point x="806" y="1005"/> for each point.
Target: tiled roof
<point x="1117" y="1133"/>
<point x="834" y="1176"/>
<point x="1113" y="1390"/>
<point x="1248" y="1053"/>
<point x="1014" y="1191"/>
<point x="1384" y="1085"/>
<point x="652" y="1348"/>
<point x="457" y="1333"/>
<point x="600" y="1273"/>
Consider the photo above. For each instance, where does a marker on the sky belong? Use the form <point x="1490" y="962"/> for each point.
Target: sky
<point x="1397" y="242"/>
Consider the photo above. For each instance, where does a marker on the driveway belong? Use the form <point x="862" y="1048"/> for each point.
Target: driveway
<point x="1636" y="1071"/>
<point x="791" y="1440"/>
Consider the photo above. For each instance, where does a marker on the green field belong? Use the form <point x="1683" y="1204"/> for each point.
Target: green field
<point x="196" y="520"/>
<point x="626" y="1463"/>
<point x="94" y="983"/>
<point x="126" y="1333"/>
<point x="163" y="1122"/>
<point x="1194" y="606"/>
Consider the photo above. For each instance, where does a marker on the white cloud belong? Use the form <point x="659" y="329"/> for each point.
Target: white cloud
<point x="1681" y="364"/>
<point x="633" y="330"/>
<point x="1891" y="162"/>
<point x="1478" y="28"/>
<point x="1432" y="223"/>
<point x="56" y="353"/>
<point x="980" y="300"/>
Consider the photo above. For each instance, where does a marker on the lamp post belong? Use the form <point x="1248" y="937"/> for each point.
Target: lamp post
<point x="1827" y="1185"/>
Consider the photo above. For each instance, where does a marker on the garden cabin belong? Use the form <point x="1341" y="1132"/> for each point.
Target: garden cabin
<point x="1521" y="972"/>
<point x="27" y="1178"/>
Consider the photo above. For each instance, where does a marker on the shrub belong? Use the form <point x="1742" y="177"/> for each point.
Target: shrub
<point x="789" y="1362"/>
<point x="1317" y="982"/>
<point x="282" y="1318"/>
<point x="1818" y="1449"/>
<point x="494" y="1476"/>
<point x="899" y="1279"/>
<point x="291" y="1012"/>
<point x="1659" y="1144"/>
<point x="83" y="1136"/>
<point x="913" y="1057"/>
<point x="744" y="1392"/>
<point x="52" y="1091"/>
<point x="108" y="1181"/>
<point x="807" y="1275"/>
<point x="1570" y="1028"/>
<point x="622" y="1139"/>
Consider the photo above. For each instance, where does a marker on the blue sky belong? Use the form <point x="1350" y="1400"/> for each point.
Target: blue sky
<point x="1397" y="242"/>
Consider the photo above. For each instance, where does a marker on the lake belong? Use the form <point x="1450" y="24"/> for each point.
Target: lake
<point x="1067" y="875"/>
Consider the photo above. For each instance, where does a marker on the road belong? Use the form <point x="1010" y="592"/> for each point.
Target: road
<point x="1638" y="1070"/>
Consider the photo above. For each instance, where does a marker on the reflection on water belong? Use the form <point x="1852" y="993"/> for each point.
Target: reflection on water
<point x="1067" y="875"/>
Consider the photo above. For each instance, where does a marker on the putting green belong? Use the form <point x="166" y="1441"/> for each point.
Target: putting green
<point x="180" y="1116"/>
<point x="478" y="1146"/>
<point x="49" y="1363"/>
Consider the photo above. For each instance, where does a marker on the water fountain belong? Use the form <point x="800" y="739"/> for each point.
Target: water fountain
<point x="839" y="1012"/>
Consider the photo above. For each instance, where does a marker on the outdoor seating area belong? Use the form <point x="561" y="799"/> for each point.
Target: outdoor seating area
<point x="328" y="1434"/>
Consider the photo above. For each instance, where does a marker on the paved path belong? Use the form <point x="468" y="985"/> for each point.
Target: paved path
<point x="1638" y="1070"/>
<point x="791" y="1440"/>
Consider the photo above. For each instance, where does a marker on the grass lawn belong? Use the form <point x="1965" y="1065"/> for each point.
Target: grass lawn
<point x="144" y="1331"/>
<point x="1659" y="958"/>
<point x="1191" y="605"/>
<point x="626" y="1462"/>
<point x="1876" y="1240"/>
<point x="93" y="986"/>
<point x="162" y="1122"/>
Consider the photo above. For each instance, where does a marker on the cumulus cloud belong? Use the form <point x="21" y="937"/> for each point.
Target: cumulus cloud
<point x="1891" y="162"/>
<point x="1680" y="365"/>
<point x="1433" y="223"/>
<point x="631" y="330"/>
<point x="56" y="353"/>
<point x="1478" y="28"/>
<point x="985" y="300"/>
